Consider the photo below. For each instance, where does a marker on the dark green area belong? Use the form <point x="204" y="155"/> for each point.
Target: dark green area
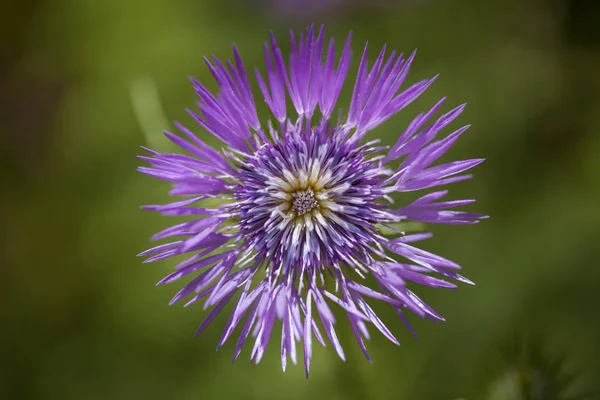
<point x="81" y="317"/>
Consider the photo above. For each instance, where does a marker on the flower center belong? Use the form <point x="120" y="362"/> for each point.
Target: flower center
<point x="304" y="201"/>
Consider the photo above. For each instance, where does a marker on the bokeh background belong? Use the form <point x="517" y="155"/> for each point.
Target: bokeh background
<point x="83" y="84"/>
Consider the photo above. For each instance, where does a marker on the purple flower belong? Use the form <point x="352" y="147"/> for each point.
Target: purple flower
<point x="302" y="199"/>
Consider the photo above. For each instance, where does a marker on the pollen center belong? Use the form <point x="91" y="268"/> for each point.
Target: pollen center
<point x="304" y="201"/>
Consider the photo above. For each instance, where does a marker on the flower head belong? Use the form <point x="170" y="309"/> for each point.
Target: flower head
<point x="303" y="198"/>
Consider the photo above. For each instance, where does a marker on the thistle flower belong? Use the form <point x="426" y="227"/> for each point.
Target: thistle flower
<point x="302" y="198"/>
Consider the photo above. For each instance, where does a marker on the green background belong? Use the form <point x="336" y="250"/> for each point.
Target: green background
<point x="83" y="84"/>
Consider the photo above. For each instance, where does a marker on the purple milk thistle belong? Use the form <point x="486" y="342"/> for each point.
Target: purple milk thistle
<point x="302" y="199"/>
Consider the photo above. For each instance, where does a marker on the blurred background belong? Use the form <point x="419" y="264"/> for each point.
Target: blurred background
<point x="84" y="84"/>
